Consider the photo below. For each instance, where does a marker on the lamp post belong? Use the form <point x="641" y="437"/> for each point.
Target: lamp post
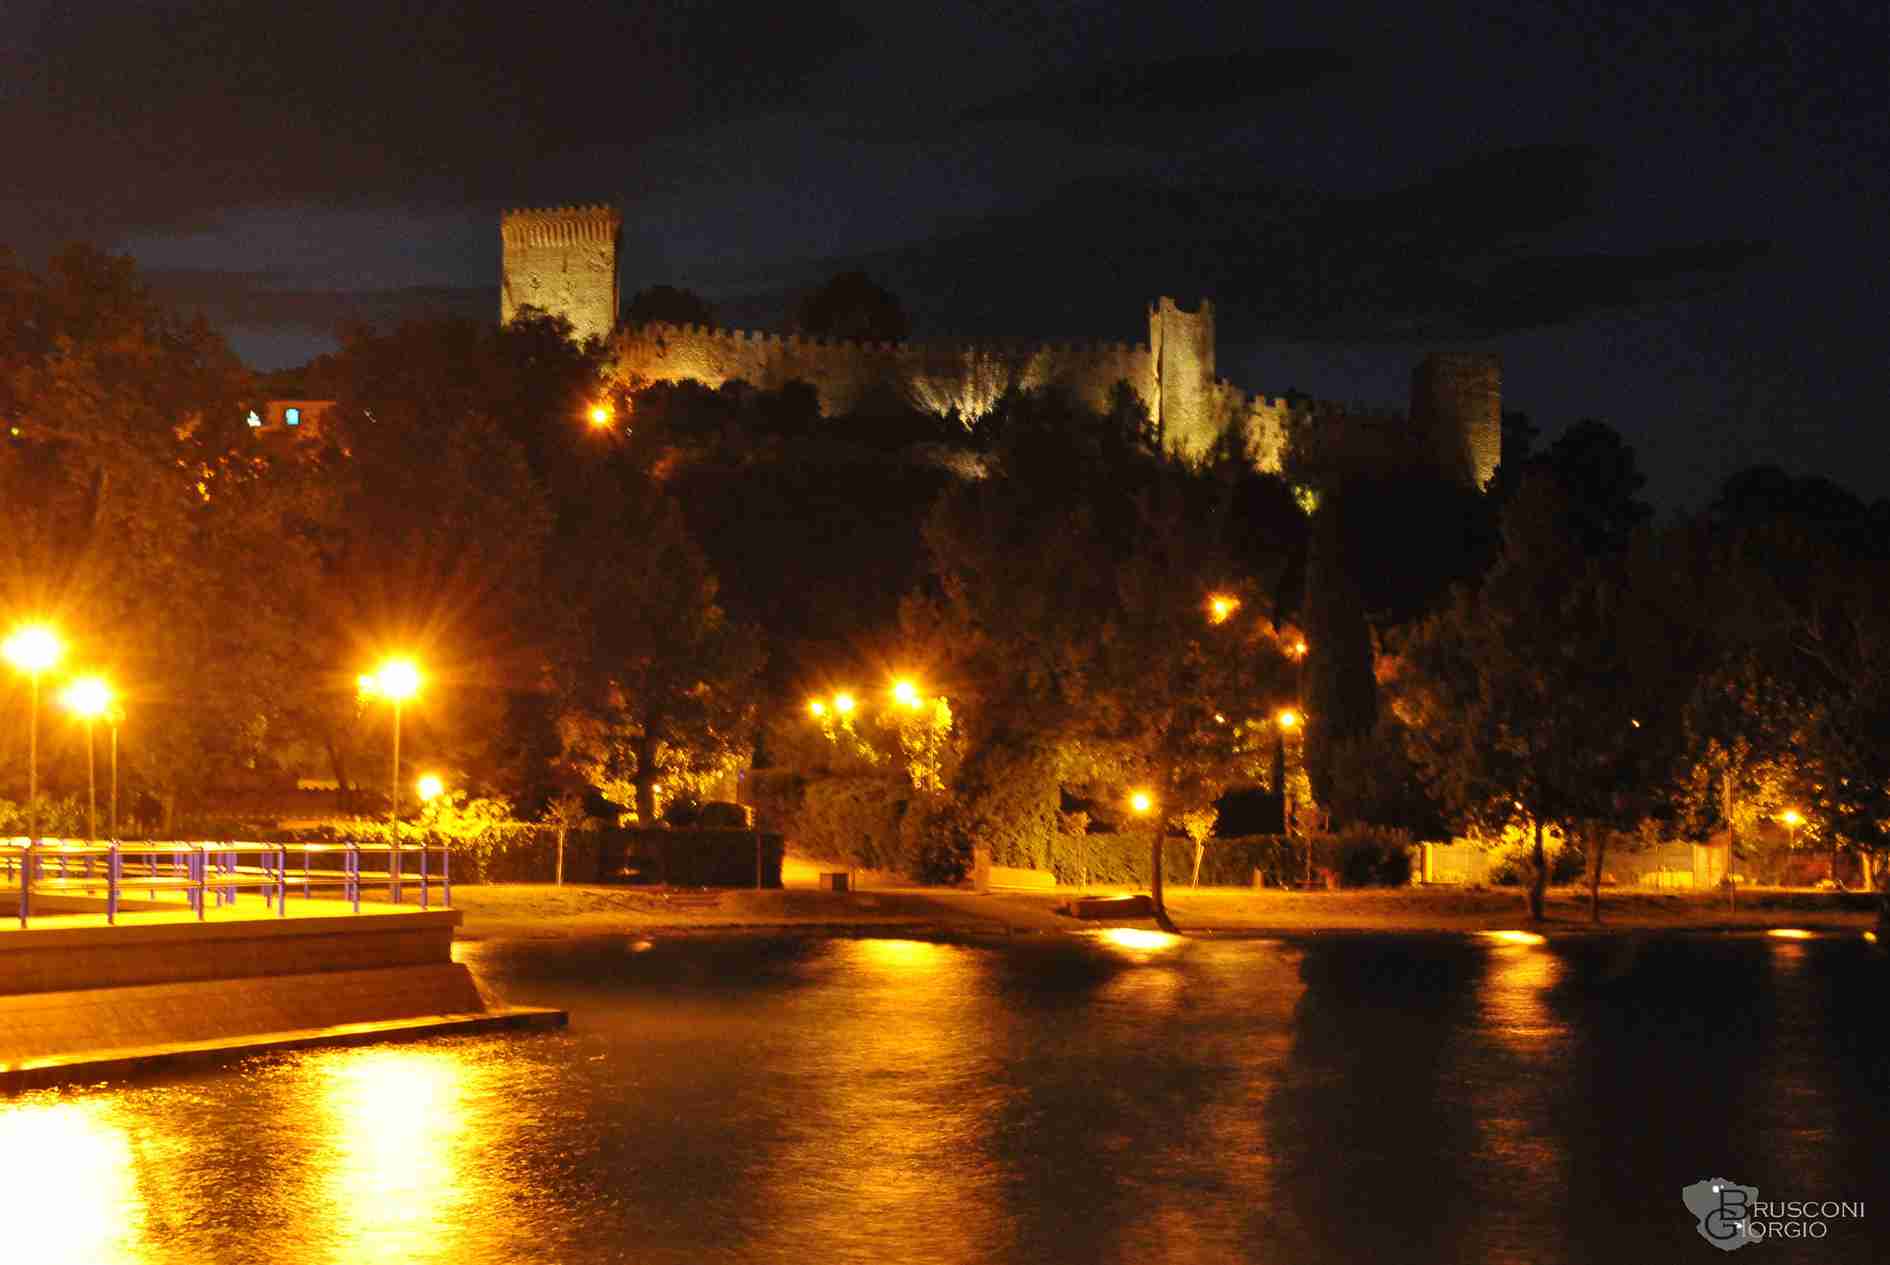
<point x="32" y="649"/>
<point x="1285" y="721"/>
<point x="396" y="680"/>
<point x="89" y="698"/>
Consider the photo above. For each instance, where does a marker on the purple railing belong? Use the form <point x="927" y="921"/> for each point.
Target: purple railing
<point x="207" y="873"/>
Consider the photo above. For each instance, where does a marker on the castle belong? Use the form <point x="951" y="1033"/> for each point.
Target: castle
<point x="563" y="260"/>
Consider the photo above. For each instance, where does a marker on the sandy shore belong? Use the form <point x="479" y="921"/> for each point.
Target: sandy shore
<point x="883" y="903"/>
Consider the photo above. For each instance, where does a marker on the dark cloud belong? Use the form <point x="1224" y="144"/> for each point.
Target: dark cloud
<point x="1144" y="98"/>
<point x="263" y="301"/>
<point x="1472" y="250"/>
<point x="176" y="111"/>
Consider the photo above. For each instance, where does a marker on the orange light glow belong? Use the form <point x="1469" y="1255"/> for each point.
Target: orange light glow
<point x="88" y="696"/>
<point x="430" y="788"/>
<point x="1221" y="607"/>
<point x="397" y="679"/>
<point x="1288" y="718"/>
<point x="1791" y="817"/>
<point x="1138" y="939"/>
<point x="1141" y="802"/>
<point x="843" y="703"/>
<point x="906" y="693"/>
<point x="33" y="648"/>
<point x="1789" y="933"/>
<point x="600" y="416"/>
<point x="816" y="708"/>
<point x="1513" y="937"/>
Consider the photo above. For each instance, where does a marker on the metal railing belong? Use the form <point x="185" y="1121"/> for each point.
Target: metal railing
<point x="218" y="872"/>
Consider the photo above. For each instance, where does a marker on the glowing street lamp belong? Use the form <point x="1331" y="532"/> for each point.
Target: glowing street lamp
<point x="396" y="680"/>
<point x="430" y="787"/>
<point x="89" y="698"/>
<point x="1793" y="820"/>
<point x="1141" y="803"/>
<point x="906" y="694"/>
<point x="1221" y="607"/>
<point x="600" y="416"/>
<point x="1288" y="719"/>
<point x="816" y="708"/>
<point x="843" y="703"/>
<point x="32" y="650"/>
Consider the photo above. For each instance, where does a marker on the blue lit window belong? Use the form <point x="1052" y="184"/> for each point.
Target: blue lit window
<point x="292" y="416"/>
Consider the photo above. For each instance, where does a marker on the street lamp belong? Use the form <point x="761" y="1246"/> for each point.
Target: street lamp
<point x="1221" y="607"/>
<point x="89" y="698"/>
<point x="843" y="703"/>
<point x="1141" y="803"/>
<point x="1793" y="820"/>
<point x="32" y="649"/>
<point x="430" y="787"/>
<point x="816" y="708"/>
<point x="906" y="694"/>
<point x="396" y="680"/>
<point x="600" y="416"/>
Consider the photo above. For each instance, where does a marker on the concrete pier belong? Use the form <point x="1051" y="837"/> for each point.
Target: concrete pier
<point x="80" y="999"/>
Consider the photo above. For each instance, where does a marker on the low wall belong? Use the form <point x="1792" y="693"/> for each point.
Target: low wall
<point x="81" y="1002"/>
<point x="691" y="858"/>
<point x="50" y="959"/>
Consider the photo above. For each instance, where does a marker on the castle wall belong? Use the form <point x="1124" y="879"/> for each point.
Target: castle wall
<point x="941" y="377"/>
<point x="564" y="261"/>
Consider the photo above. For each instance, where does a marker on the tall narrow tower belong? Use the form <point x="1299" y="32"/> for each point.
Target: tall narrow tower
<point x="562" y="260"/>
<point x="1181" y="369"/>
<point x="1457" y="403"/>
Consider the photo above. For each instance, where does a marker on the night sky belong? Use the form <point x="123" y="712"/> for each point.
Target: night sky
<point x="1672" y="219"/>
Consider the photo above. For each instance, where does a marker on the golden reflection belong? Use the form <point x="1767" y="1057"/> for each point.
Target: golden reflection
<point x="1789" y="933"/>
<point x="67" y="1175"/>
<point x="898" y="1087"/>
<point x="1870" y="937"/>
<point x="398" y="1134"/>
<point x="1139" y="940"/>
<point x="920" y="955"/>
<point x="1515" y="991"/>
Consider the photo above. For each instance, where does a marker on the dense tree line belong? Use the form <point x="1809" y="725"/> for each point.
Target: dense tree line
<point x="631" y="591"/>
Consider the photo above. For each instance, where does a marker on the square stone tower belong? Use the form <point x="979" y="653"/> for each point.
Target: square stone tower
<point x="1180" y="393"/>
<point x="1457" y="405"/>
<point x="562" y="260"/>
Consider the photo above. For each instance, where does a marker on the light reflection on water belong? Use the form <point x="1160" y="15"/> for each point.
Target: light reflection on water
<point x="776" y="1100"/>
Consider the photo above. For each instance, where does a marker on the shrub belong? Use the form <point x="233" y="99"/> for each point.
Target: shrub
<point x="1121" y="860"/>
<point x="857" y="821"/>
<point x="1367" y="856"/>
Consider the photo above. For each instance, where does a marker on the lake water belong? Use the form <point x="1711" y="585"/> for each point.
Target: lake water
<point x="796" y="1099"/>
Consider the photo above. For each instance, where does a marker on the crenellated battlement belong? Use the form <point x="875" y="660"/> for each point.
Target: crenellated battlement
<point x="564" y="260"/>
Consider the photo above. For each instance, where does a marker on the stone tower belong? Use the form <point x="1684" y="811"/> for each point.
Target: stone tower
<point x="1457" y="404"/>
<point x="562" y="260"/>
<point x="1180" y="392"/>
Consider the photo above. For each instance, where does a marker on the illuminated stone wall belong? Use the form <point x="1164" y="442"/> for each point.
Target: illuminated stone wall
<point x="1457" y="401"/>
<point x="966" y="376"/>
<point x="562" y="260"/>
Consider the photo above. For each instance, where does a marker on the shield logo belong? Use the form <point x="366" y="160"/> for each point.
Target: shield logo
<point x="1721" y="1211"/>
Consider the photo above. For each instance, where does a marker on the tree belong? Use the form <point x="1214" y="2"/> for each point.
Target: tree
<point x="1073" y="613"/>
<point x="852" y="306"/>
<point x="1518" y="700"/>
<point x="669" y="304"/>
<point x="566" y="813"/>
<point x="139" y="501"/>
<point x="661" y="685"/>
